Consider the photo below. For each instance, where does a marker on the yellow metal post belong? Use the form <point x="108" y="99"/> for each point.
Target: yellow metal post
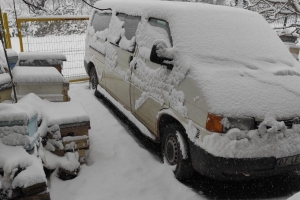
<point x="2" y="27"/>
<point x="20" y="35"/>
<point x="7" y="33"/>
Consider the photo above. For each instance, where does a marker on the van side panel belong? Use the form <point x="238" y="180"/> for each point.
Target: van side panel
<point x="117" y="77"/>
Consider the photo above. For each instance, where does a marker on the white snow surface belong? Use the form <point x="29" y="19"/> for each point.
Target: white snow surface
<point x="23" y="75"/>
<point x="4" y="78"/>
<point x="67" y="162"/>
<point x="14" y="157"/>
<point x="237" y="61"/>
<point x="295" y="196"/>
<point x="42" y="56"/>
<point x="57" y="113"/>
<point x="16" y="112"/>
<point x="116" y="160"/>
<point x="11" y="53"/>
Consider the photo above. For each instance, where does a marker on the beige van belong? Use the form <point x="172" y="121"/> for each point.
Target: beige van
<point x="213" y="84"/>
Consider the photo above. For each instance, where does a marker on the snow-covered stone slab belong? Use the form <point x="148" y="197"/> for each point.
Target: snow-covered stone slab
<point x="47" y="83"/>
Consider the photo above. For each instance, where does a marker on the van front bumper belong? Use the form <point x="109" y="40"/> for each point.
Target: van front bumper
<point x="235" y="169"/>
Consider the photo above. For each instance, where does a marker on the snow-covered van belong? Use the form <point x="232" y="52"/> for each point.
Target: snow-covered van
<point x="213" y="84"/>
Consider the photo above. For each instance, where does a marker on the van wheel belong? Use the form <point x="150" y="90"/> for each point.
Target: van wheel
<point x="93" y="78"/>
<point x="175" y="152"/>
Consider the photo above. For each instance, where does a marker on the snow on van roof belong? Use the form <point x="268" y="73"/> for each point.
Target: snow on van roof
<point x="237" y="61"/>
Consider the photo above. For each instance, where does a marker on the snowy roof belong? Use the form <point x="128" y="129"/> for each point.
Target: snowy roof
<point x="42" y="56"/>
<point x="237" y="61"/>
<point x="37" y="74"/>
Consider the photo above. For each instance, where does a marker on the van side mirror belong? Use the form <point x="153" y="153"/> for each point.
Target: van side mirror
<point x="159" y="60"/>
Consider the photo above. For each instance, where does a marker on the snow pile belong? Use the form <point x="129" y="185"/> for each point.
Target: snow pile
<point x="13" y="159"/>
<point x="272" y="139"/>
<point x="37" y="75"/>
<point x="68" y="162"/>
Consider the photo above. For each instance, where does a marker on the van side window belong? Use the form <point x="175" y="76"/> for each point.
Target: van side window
<point x="100" y="21"/>
<point x="131" y="24"/>
<point x="127" y="41"/>
<point x="162" y="29"/>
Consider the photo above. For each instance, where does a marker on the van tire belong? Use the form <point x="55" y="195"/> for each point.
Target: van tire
<point x="93" y="78"/>
<point x="172" y="153"/>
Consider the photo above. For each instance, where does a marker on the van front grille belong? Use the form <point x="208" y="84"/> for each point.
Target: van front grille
<point x="288" y="123"/>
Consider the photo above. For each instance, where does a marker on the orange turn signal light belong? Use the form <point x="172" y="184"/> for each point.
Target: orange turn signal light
<point x="213" y="123"/>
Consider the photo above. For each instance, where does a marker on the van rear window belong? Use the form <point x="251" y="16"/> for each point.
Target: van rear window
<point x="101" y="21"/>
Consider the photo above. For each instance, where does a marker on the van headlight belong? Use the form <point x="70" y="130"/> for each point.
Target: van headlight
<point x="220" y="124"/>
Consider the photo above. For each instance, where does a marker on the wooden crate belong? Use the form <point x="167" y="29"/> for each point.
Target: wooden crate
<point x="45" y="88"/>
<point x="82" y="153"/>
<point x="41" y="196"/>
<point x="79" y="144"/>
<point x="75" y="129"/>
<point x="34" y="189"/>
<point x="5" y="94"/>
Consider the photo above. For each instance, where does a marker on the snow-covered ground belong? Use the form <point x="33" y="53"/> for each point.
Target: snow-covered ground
<point x="120" y="168"/>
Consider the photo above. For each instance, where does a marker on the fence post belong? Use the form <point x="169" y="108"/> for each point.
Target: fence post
<point x="7" y="33"/>
<point x="2" y="27"/>
<point x="20" y="34"/>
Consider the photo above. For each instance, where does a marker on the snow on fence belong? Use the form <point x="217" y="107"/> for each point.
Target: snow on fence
<point x="65" y="34"/>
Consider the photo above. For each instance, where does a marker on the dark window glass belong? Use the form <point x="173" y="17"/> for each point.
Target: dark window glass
<point x="101" y="21"/>
<point x="131" y="24"/>
<point x="161" y="24"/>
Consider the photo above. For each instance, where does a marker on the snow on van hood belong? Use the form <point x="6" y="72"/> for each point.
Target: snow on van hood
<point x="232" y="89"/>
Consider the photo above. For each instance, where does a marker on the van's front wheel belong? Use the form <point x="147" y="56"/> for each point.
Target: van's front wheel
<point x="93" y="78"/>
<point x="175" y="152"/>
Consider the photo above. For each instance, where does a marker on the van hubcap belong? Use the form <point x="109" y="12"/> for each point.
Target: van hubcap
<point x="171" y="150"/>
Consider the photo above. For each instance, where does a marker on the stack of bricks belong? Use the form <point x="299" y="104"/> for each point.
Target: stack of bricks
<point x="70" y="138"/>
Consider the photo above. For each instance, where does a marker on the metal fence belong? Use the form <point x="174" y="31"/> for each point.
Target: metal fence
<point x="65" y="34"/>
